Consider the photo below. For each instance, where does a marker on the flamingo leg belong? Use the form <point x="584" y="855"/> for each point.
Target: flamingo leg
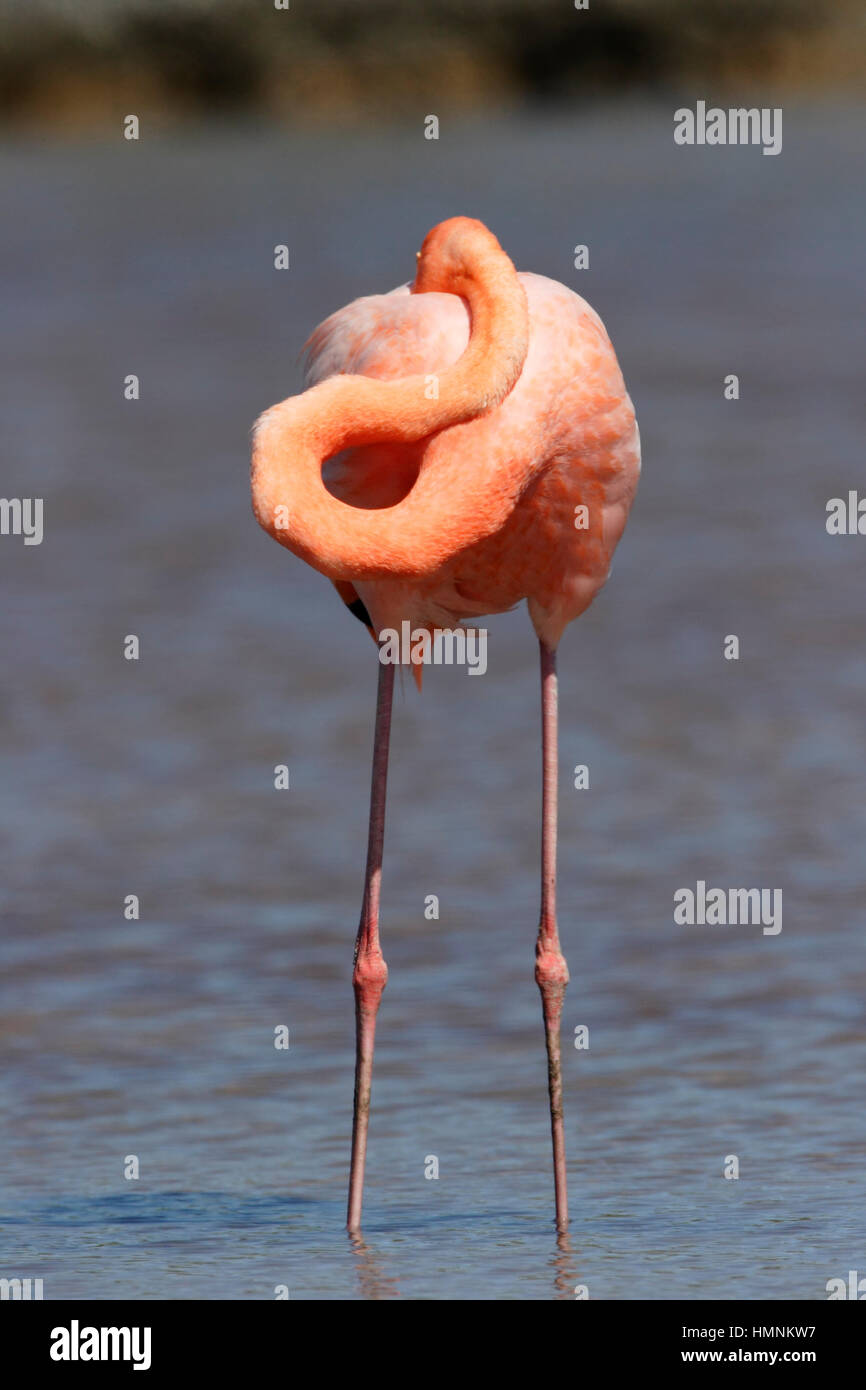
<point x="551" y="971"/>
<point x="371" y="973"/>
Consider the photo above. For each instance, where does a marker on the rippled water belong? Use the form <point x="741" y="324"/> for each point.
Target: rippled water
<point x="155" y="1038"/>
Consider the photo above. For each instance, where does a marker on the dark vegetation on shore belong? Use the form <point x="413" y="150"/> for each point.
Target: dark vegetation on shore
<point x="78" y="65"/>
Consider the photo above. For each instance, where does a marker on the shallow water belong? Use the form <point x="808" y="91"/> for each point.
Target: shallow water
<point x="155" y="1037"/>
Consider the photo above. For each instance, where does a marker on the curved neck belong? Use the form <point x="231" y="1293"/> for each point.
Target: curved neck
<point x="440" y="515"/>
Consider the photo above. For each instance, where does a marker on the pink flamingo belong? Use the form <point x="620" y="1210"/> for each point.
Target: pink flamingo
<point x="463" y="444"/>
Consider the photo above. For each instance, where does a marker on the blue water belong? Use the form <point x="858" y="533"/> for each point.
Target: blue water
<point x="155" y="1038"/>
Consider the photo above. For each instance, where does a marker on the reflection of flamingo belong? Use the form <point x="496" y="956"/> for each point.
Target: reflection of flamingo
<point x="375" y="1285"/>
<point x="464" y="444"/>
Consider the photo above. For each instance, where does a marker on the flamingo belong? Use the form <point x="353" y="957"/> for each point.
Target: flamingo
<point x="462" y="443"/>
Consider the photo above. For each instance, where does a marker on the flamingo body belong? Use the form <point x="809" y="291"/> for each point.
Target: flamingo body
<point x="569" y="416"/>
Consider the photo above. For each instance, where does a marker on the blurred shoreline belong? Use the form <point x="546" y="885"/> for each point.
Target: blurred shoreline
<point x="83" y="66"/>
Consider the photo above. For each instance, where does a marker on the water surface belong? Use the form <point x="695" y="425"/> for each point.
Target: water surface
<point x="155" y="1038"/>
